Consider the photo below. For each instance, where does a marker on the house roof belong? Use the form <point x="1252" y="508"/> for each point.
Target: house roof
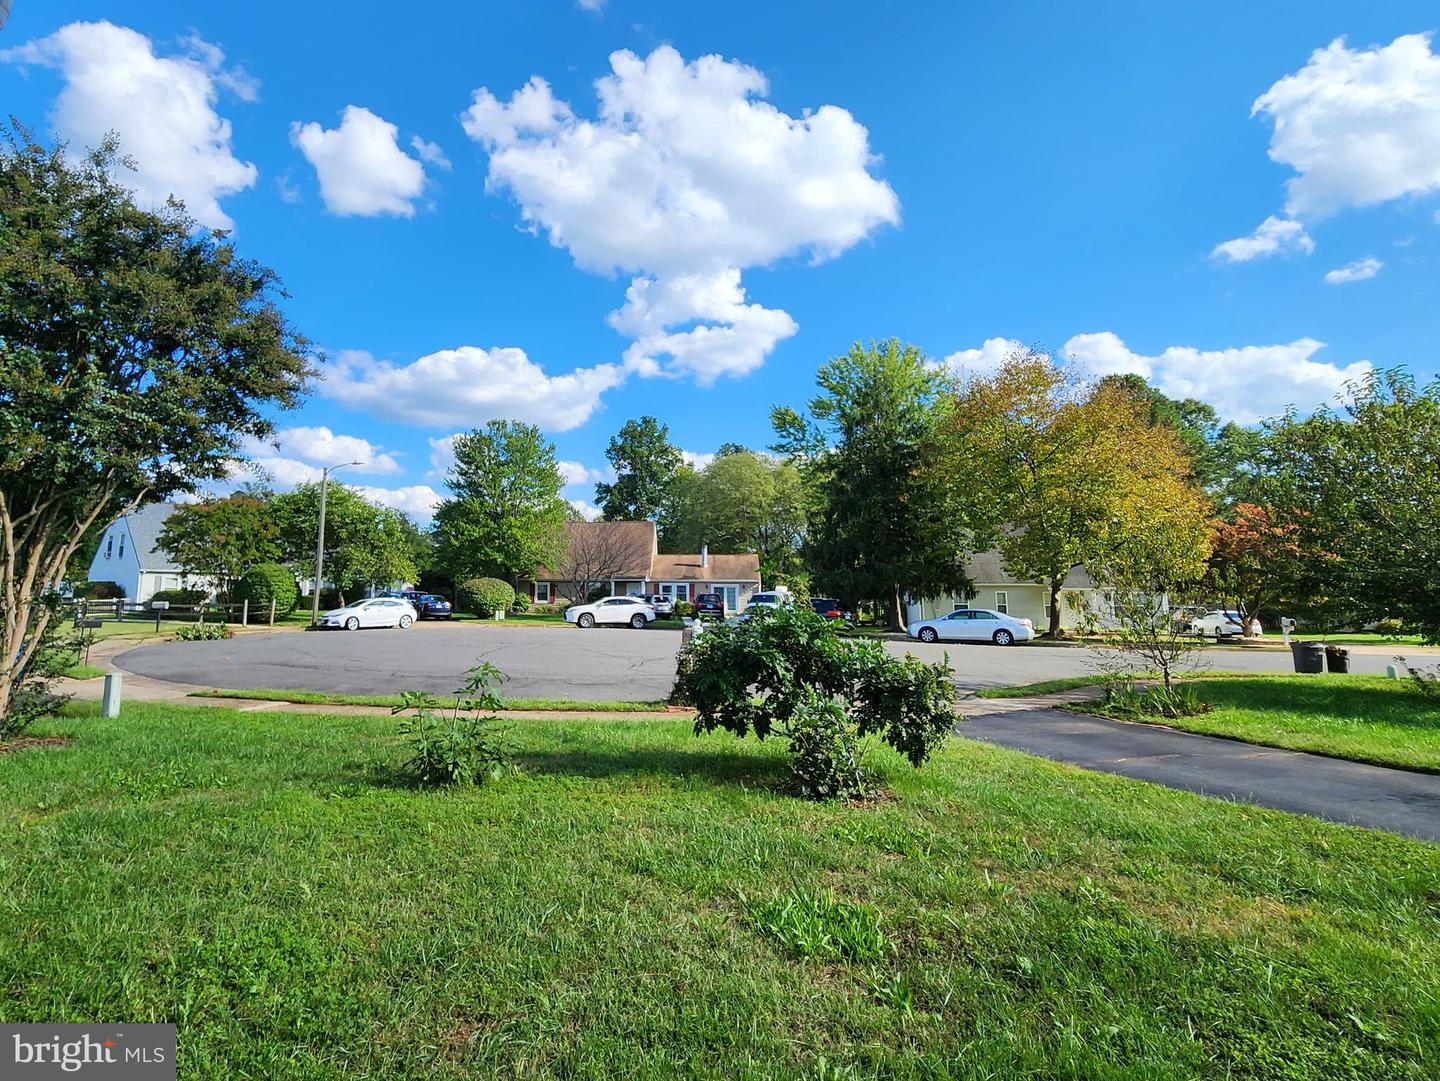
<point x="145" y="525"/>
<point x="988" y="569"/>
<point x="741" y="567"/>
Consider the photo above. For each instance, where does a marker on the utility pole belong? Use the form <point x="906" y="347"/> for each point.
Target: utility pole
<point x="320" y="542"/>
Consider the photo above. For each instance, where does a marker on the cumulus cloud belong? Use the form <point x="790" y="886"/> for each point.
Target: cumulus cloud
<point x="575" y="473"/>
<point x="1358" y="271"/>
<point x="467" y="386"/>
<point x="1244" y="384"/>
<point x="987" y="360"/>
<point x="430" y="153"/>
<point x="587" y="510"/>
<point x="417" y="500"/>
<point x="1272" y="237"/>
<point x="1358" y="126"/>
<point x="360" y="166"/>
<point x="697" y="461"/>
<point x="686" y="178"/>
<point x="320" y="446"/>
<point x="161" y="107"/>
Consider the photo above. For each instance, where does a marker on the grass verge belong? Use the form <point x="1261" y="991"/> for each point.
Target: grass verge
<point x="1386" y="722"/>
<point x="317" y="698"/>
<point x="638" y="902"/>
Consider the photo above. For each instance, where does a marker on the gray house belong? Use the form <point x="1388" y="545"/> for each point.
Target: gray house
<point x="130" y="555"/>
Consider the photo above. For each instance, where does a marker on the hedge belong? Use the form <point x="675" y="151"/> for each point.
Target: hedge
<point x="263" y="583"/>
<point x="485" y="596"/>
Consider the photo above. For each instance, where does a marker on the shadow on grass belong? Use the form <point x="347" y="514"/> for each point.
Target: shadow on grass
<point x="1394" y="702"/>
<point x="721" y="767"/>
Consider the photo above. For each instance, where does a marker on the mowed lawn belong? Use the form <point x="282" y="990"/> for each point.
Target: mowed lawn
<point x="623" y="908"/>
<point x="1388" y="722"/>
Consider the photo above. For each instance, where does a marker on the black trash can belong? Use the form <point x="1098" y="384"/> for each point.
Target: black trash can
<point x="1309" y="657"/>
<point x="1337" y="659"/>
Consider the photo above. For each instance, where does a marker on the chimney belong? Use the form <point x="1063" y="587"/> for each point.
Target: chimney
<point x="704" y="555"/>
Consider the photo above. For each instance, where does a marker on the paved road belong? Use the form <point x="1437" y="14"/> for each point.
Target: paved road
<point x="1350" y="792"/>
<point x="562" y="662"/>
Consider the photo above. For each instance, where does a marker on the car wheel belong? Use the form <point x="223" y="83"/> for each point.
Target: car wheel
<point x="1003" y="638"/>
<point x="353" y="623"/>
<point x="585" y="619"/>
<point x="928" y="635"/>
<point x="638" y="621"/>
<point x="405" y="622"/>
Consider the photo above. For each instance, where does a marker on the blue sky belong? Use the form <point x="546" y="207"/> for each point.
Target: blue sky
<point x="1227" y="198"/>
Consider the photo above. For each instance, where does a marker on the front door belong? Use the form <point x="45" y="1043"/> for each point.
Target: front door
<point x="731" y="595"/>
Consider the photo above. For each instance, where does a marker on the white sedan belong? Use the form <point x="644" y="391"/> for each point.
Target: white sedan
<point x="974" y="625"/>
<point x="374" y="612"/>
<point x="1217" y="623"/>
<point x="632" y="610"/>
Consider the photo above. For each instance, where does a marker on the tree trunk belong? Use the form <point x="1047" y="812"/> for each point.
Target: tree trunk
<point x="897" y="611"/>
<point x="1055" y="584"/>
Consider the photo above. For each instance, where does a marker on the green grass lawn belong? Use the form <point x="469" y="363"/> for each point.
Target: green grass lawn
<point x="641" y="903"/>
<point x="318" y="698"/>
<point x="1365" y="718"/>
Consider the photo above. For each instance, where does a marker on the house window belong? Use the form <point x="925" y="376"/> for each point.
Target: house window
<point x="1002" y="601"/>
<point x="676" y="591"/>
<point x="109" y="545"/>
<point x="1047" y="605"/>
<point x="542" y="592"/>
<point x="122" y="546"/>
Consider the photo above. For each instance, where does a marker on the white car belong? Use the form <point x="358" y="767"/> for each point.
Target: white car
<point x="768" y="600"/>
<point x="663" y="605"/>
<point x="632" y="610"/>
<point x="1217" y="623"/>
<point x="974" y="625"/>
<point x="374" y="612"/>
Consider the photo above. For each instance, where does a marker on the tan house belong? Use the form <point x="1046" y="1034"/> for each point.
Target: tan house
<point x="997" y="589"/>
<point x="624" y="558"/>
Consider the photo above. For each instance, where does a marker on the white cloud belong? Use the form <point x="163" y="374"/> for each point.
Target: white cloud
<point x="697" y="461"/>
<point x="987" y="360"/>
<point x="1358" y="126"/>
<point x="578" y="473"/>
<point x="162" y="109"/>
<point x="1244" y="384"/>
<point x="591" y="5"/>
<point x="686" y="178"/>
<point x="360" y="165"/>
<point x="1358" y="271"/>
<point x="589" y="511"/>
<point x="417" y="500"/>
<point x="430" y="153"/>
<point x="321" y="446"/>
<point x="286" y="472"/>
<point x="1273" y="236"/>
<point x="466" y="387"/>
<point x="733" y="338"/>
<point x="286" y="189"/>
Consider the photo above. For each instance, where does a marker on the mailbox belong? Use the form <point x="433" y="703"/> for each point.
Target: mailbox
<point x="159" y="606"/>
<point x="90" y="624"/>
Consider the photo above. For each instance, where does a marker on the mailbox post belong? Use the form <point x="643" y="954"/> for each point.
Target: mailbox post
<point x="159" y="607"/>
<point x="89" y="626"/>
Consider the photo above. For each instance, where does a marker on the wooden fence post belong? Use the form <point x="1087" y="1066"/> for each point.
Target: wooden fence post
<point x="272" y="611"/>
<point x="245" y="613"/>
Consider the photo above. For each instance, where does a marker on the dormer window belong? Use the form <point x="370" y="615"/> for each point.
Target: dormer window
<point x="109" y="545"/>
<point x="122" y="546"/>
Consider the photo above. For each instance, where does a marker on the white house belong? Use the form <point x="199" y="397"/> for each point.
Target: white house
<point x="997" y="589"/>
<point x="130" y="556"/>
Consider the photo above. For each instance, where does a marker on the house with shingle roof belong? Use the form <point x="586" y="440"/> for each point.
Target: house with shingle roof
<point x="624" y="558"/>
<point x="130" y="555"/>
<point x="997" y="589"/>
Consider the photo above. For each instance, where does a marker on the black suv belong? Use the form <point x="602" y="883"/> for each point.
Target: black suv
<point x="428" y="605"/>
<point x="710" y="604"/>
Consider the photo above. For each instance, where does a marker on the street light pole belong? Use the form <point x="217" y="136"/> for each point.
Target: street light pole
<point x="320" y="542"/>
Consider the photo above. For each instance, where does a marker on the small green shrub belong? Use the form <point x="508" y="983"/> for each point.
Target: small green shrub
<point x="684" y="610"/>
<point x="329" y="598"/>
<point x="203" y="632"/>
<point x="462" y="747"/>
<point x="1179" y="700"/>
<point x="486" y="596"/>
<point x="104" y="591"/>
<point x="818" y="925"/>
<point x="266" y="582"/>
<point x="180" y="596"/>
<point x="520" y="605"/>
<point x="1391" y="628"/>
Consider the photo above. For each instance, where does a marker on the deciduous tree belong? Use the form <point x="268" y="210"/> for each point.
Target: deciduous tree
<point x="365" y="544"/>
<point x="220" y="539"/>
<point x="136" y="352"/>
<point x="645" y="464"/>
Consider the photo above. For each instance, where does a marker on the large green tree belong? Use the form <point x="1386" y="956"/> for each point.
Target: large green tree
<point x="505" y="515"/>
<point x="220" y="539"/>
<point x="646" y="463"/>
<point x="137" y="351"/>
<point x="883" y="523"/>
<point x="740" y="502"/>
<point x="365" y="544"/>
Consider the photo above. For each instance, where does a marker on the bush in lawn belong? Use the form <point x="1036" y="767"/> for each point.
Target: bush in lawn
<point x="520" y="605"/>
<point x="329" y="598"/>
<point x="265" y="582"/>
<point x="463" y="747"/>
<point x="486" y="596"/>
<point x="104" y="591"/>
<point x="203" y="632"/>
<point x="786" y="671"/>
<point x="684" y="610"/>
<point x="180" y="596"/>
<point x="1390" y="628"/>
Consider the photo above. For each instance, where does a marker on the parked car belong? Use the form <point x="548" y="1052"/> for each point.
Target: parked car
<point x="830" y="608"/>
<point x="709" y="605"/>
<point x="372" y="612"/>
<point x="772" y="599"/>
<point x="427" y="605"/>
<point x="663" y="605"/>
<point x="631" y="610"/>
<point x="1217" y="623"/>
<point x="974" y="625"/>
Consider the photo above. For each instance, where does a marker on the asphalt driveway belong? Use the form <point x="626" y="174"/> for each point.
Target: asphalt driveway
<point x="1349" y="792"/>
<point x="603" y="664"/>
